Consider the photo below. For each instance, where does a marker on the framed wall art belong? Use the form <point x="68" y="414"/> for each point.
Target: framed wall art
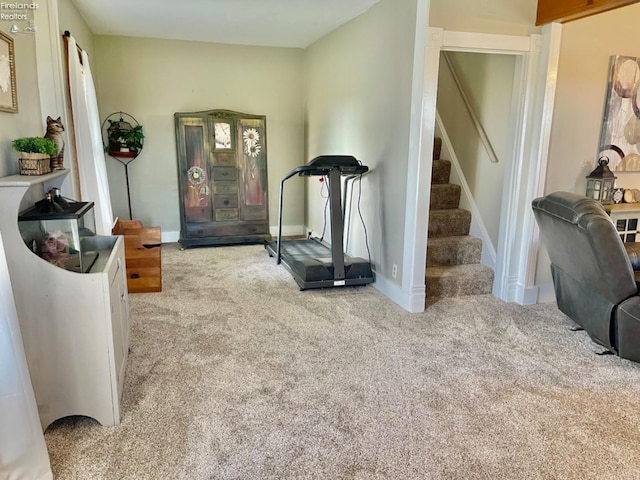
<point x="8" y="91"/>
<point x="620" y="133"/>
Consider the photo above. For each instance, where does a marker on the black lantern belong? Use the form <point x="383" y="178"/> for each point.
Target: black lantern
<point x="600" y="182"/>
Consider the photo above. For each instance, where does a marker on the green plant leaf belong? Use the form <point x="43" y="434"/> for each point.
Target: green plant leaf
<point x="35" y="145"/>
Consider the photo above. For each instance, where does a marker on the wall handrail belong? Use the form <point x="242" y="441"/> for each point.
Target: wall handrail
<point x="484" y="138"/>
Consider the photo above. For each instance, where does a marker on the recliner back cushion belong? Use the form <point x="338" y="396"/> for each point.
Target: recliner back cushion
<point x="582" y="241"/>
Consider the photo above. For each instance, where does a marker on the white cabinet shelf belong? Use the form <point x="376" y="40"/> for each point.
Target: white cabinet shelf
<point x="75" y="326"/>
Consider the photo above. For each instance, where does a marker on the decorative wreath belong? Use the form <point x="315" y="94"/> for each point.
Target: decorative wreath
<point x="196" y="175"/>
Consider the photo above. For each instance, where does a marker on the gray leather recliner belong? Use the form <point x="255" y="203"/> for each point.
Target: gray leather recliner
<point x="593" y="278"/>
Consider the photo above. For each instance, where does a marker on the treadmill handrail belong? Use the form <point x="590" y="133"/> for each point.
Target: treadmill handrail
<point x="310" y="170"/>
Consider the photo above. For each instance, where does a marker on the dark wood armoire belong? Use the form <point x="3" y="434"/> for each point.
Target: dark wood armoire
<point x="222" y="178"/>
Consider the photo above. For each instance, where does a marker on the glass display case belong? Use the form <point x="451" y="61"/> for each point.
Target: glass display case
<point x="60" y="232"/>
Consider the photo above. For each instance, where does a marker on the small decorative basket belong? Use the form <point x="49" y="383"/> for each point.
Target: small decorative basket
<point x="34" y="163"/>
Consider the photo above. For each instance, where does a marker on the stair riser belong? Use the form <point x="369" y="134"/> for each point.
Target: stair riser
<point x="437" y="147"/>
<point x="453" y="264"/>
<point x="459" y="285"/>
<point x="449" y="225"/>
<point x="445" y="196"/>
<point x="448" y="255"/>
<point x="440" y="172"/>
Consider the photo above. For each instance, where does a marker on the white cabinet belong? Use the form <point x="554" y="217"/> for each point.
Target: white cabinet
<point x="626" y="218"/>
<point x="75" y="326"/>
<point x="24" y="453"/>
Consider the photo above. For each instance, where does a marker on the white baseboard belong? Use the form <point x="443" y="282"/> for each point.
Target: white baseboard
<point x="518" y="293"/>
<point x="413" y="302"/>
<point x="170" y="237"/>
<point x="546" y="293"/>
<point x="530" y="295"/>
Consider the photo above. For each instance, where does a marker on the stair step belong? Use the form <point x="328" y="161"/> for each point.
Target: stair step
<point x="445" y="196"/>
<point x="437" y="148"/>
<point x="449" y="223"/>
<point x="458" y="280"/>
<point x="441" y="171"/>
<point x="448" y="251"/>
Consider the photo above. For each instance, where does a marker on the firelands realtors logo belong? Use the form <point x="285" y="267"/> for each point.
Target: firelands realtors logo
<point x="18" y="12"/>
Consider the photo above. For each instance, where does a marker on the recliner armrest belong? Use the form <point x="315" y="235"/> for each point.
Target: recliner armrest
<point x="633" y="252"/>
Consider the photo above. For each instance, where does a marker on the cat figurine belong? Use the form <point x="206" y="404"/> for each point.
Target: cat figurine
<point x="54" y="133"/>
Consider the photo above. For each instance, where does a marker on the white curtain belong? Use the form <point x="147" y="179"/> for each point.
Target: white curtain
<point x="92" y="170"/>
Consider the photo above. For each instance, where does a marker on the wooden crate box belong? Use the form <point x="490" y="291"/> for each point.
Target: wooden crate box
<point x="142" y="255"/>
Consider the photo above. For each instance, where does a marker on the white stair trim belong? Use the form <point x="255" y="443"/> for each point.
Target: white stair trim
<point x="467" y="202"/>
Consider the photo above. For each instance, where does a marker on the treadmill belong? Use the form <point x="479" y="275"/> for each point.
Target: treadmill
<point x="311" y="262"/>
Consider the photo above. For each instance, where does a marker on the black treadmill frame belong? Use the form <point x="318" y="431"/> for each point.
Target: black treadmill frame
<point x="333" y="167"/>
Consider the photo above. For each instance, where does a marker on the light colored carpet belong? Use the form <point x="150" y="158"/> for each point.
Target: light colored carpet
<point x="236" y="374"/>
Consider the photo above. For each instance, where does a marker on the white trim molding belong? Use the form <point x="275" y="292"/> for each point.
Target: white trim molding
<point x="546" y="293"/>
<point x="486" y="43"/>
<point x="412" y="301"/>
<point x="522" y="253"/>
<point x="421" y="131"/>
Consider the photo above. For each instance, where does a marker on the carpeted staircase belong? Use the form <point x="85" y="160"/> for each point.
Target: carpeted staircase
<point x="453" y="256"/>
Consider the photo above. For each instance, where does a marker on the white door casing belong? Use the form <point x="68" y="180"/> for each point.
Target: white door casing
<point x="534" y="91"/>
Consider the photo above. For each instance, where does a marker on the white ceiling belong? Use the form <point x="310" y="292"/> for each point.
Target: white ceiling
<point x="276" y="23"/>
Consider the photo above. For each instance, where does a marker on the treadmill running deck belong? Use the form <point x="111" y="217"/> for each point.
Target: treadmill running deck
<point x="310" y="263"/>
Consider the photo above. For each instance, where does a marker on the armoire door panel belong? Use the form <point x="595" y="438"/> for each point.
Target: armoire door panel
<point x="195" y="182"/>
<point x="253" y="194"/>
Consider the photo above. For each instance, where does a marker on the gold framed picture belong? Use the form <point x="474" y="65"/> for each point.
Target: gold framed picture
<point x="8" y="91"/>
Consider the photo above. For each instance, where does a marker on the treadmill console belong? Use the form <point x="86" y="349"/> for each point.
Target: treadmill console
<point x="321" y="165"/>
<point x="334" y="161"/>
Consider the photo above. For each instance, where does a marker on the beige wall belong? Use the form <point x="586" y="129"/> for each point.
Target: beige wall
<point x="28" y="121"/>
<point x="506" y="17"/>
<point x="152" y="79"/>
<point x="583" y="68"/>
<point x="487" y="80"/>
<point x="358" y="103"/>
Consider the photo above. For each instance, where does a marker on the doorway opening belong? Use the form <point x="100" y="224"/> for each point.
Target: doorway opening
<point x="532" y="105"/>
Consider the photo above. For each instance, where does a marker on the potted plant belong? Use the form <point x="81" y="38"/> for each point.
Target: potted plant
<point x="124" y="139"/>
<point x="34" y="147"/>
<point x="35" y="154"/>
